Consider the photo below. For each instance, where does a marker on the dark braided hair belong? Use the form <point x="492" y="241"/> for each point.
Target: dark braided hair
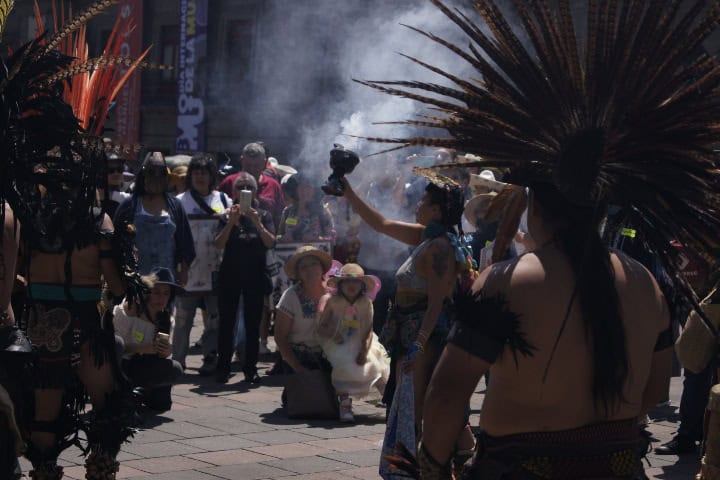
<point x="451" y="200"/>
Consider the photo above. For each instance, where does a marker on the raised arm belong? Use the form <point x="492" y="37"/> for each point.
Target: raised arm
<point x="409" y="233"/>
<point x="233" y="215"/>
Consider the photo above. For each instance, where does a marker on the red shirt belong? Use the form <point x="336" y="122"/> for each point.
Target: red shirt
<point x="269" y="194"/>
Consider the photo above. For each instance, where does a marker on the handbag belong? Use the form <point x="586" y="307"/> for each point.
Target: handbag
<point x="310" y="394"/>
<point x="696" y="346"/>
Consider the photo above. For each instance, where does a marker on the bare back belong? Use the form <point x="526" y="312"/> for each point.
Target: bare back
<point x="539" y="287"/>
<point x="87" y="267"/>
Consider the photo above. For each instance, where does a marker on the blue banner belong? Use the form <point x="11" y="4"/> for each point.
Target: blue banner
<point x="191" y="128"/>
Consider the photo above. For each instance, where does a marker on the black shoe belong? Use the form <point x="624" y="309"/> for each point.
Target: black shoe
<point x="208" y="366"/>
<point x="221" y="376"/>
<point x="253" y="378"/>
<point x="679" y="445"/>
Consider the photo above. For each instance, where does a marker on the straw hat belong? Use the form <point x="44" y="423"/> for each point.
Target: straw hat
<point x="351" y="271"/>
<point x="306" y="251"/>
<point x="477" y="207"/>
<point x="485" y="182"/>
<point x="177" y="176"/>
<point x="282" y="170"/>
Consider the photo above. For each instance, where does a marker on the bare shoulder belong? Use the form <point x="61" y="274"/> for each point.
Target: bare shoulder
<point x="499" y="276"/>
<point x="637" y="287"/>
<point x="631" y="274"/>
<point x="437" y="258"/>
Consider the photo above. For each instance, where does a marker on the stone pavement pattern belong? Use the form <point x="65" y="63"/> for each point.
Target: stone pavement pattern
<point x="238" y="432"/>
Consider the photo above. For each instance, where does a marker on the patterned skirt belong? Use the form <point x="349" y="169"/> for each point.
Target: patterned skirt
<point x="603" y="450"/>
<point x="402" y="325"/>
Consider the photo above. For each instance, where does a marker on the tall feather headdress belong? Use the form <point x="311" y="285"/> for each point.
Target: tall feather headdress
<point x="54" y="101"/>
<point x="626" y="116"/>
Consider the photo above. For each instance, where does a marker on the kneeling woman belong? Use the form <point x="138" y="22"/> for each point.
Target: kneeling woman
<point x="298" y="312"/>
<point x="145" y="329"/>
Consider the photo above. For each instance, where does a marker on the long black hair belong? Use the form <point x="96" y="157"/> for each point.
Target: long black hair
<point x="578" y="236"/>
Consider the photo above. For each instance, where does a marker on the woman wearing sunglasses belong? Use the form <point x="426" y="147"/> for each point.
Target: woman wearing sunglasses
<point x="162" y="232"/>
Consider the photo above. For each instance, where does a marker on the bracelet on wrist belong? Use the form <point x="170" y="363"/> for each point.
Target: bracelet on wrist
<point x="420" y="346"/>
<point x="422" y="335"/>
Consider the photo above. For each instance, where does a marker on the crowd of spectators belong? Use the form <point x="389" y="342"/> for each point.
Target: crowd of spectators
<point x="261" y="207"/>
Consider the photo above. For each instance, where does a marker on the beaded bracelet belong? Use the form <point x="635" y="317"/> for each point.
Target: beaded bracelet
<point x="420" y="346"/>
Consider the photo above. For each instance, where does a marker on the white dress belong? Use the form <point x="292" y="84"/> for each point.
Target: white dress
<point x="351" y="322"/>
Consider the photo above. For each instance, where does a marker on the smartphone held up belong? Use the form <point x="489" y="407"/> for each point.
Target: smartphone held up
<point x="245" y="200"/>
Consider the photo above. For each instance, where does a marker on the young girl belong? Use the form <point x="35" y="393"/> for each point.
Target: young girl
<point x="358" y="360"/>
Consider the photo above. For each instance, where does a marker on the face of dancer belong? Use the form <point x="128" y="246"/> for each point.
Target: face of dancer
<point x="159" y="298"/>
<point x="254" y="165"/>
<point x="115" y="174"/>
<point x="351" y="288"/>
<point x="156" y="177"/>
<point x="200" y="179"/>
<point x="310" y="270"/>
<point x="426" y="212"/>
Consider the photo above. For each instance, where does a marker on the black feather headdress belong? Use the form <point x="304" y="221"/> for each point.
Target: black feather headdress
<point x="629" y="115"/>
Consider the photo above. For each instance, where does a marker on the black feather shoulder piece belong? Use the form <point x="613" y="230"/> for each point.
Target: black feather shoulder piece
<point x="485" y="325"/>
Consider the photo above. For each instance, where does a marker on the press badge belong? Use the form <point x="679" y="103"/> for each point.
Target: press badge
<point x="139" y="336"/>
<point x="291" y="221"/>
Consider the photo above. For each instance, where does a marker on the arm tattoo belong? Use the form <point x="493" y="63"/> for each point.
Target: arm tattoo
<point x="440" y="257"/>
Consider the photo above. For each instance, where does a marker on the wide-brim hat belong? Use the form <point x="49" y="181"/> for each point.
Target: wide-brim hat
<point x="477" y="207"/>
<point x="306" y="251"/>
<point x="486" y="181"/>
<point x="351" y="271"/>
<point x="164" y="276"/>
<point x="282" y="170"/>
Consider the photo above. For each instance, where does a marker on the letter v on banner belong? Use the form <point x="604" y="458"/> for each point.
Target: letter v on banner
<point x="191" y="127"/>
<point x="127" y="113"/>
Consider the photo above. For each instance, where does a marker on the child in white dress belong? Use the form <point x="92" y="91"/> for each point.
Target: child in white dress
<point x="359" y="362"/>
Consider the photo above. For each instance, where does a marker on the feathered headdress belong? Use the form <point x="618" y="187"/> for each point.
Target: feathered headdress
<point x="54" y="101"/>
<point x="626" y="116"/>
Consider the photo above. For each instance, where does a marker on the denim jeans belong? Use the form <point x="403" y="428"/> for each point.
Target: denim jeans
<point x="186" y="306"/>
<point x="696" y="390"/>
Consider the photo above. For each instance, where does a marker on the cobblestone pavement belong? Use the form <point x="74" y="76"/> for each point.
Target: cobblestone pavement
<point x="236" y="431"/>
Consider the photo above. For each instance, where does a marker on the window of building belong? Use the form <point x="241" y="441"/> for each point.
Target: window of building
<point x="239" y="40"/>
<point x="169" y="48"/>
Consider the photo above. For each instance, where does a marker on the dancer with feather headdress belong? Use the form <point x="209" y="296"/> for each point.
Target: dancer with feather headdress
<point x="51" y="167"/>
<point x="628" y="117"/>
